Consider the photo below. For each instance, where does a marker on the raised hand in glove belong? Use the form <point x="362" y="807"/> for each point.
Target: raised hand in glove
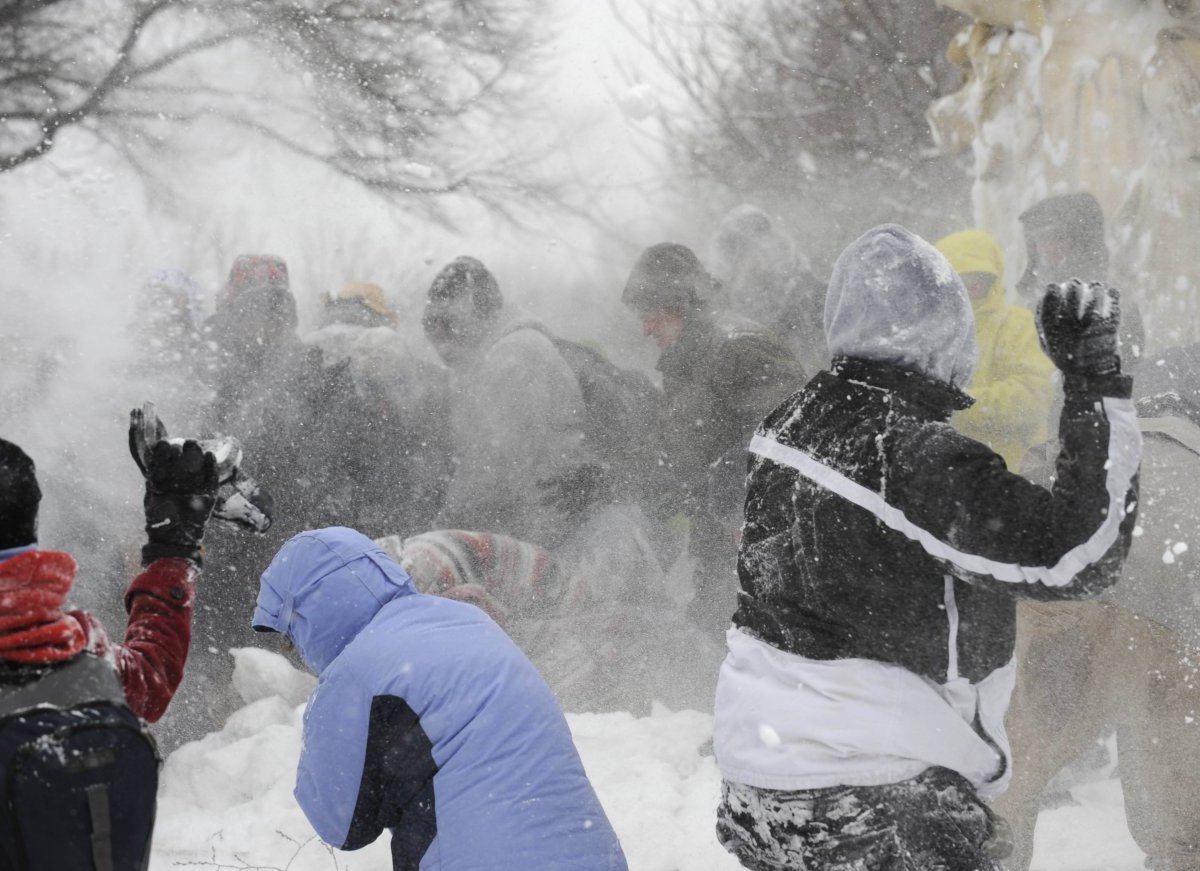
<point x="181" y="489"/>
<point x="1077" y="324"/>
<point x="572" y="492"/>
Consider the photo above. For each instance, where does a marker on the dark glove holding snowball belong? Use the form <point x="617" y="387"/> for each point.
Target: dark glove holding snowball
<point x="181" y="490"/>
<point x="1078" y="324"/>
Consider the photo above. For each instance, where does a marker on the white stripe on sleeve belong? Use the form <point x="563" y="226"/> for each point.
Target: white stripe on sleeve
<point x="1124" y="457"/>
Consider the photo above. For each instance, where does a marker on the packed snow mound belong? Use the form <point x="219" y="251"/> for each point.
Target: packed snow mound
<point x="260" y="674"/>
<point x="225" y="801"/>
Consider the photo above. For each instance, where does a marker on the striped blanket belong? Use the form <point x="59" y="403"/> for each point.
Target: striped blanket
<point x="505" y="577"/>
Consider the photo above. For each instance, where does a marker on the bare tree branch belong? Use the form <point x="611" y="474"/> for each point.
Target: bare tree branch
<point x="807" y="107"/>
<point x="373" y="88"/>
<point x="56" y="121"/>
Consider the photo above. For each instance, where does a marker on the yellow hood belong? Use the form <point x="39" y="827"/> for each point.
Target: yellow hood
<point x="976" y="251"/>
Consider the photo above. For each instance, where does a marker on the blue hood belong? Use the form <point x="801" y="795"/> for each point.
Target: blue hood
<point x="893" y="298"/>
<point x="323" y="588"/>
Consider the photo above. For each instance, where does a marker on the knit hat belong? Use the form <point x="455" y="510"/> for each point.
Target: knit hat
<point x="467" y="275"/>
<point x="369" y="295"/>
<point x="19" y="497"/>
<point x="668" y="277"/>
<point x="255" y="270"/>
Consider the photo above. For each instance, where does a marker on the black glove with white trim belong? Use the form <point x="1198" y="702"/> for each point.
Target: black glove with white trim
<point x="181" y="490"/>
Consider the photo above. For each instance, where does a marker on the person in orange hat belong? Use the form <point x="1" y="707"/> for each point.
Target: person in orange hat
<point x="359" y="303"/>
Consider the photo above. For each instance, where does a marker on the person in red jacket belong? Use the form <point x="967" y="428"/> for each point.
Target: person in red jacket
<point x="35" y="630"/>
<point x="81" y="770"/>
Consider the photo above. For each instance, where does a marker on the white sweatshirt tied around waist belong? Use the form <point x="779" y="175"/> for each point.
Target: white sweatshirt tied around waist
<point x="787" y="722"/>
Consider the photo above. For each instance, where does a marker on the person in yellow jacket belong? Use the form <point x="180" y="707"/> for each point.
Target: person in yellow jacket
<point x="1012" y="386"/>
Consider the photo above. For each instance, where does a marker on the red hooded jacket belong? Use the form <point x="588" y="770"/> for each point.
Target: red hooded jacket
<point x="150" y="661"/>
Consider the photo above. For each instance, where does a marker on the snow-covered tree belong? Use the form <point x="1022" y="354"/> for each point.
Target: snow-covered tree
<point x="813" y="109"/>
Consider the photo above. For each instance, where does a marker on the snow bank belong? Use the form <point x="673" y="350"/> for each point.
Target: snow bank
<point x="226" y="801"/>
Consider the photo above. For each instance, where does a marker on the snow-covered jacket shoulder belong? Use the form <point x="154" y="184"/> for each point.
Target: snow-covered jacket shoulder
<point x="427" y="721"/>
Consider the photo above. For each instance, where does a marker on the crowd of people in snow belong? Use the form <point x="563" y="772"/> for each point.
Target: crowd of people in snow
<point x="463" y="542"/>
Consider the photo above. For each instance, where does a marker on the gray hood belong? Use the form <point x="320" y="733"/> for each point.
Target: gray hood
<point x="893" y="298"/>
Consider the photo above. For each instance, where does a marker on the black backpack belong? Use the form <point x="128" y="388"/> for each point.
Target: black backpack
<point x="80" y="773"/>
<point x="622" y="405"/>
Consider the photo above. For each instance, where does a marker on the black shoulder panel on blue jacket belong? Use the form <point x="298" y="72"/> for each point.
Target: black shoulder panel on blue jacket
<point x="396" y="791"/>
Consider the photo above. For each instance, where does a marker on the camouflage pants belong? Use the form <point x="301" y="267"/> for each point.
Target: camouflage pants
<point x="934" y="822"/>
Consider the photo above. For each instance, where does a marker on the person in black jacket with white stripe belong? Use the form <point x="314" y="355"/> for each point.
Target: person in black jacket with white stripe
<point x="860" y="708"/>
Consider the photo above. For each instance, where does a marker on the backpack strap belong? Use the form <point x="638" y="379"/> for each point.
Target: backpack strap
<point x="86" y="678"/>
<point x="98" y="810"/>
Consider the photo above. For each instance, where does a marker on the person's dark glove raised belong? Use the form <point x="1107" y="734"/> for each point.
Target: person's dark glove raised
<point x="181" y="489"/>
<point x="1078" y="324"/>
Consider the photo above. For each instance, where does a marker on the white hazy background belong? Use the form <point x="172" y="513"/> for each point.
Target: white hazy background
<point x="80" y="231"/>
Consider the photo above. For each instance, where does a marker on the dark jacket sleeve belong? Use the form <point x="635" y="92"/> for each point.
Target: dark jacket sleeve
<point x="998" y="529"/>
<point x="151" y="659"/>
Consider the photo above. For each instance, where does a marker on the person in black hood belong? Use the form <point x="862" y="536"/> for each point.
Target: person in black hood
<point x="1124" y="664"/>
<point x="1064" y="239"/>
<point x="860" y="709"/>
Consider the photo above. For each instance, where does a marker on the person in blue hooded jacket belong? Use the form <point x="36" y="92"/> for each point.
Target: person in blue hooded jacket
<point x="427" y="721"/>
